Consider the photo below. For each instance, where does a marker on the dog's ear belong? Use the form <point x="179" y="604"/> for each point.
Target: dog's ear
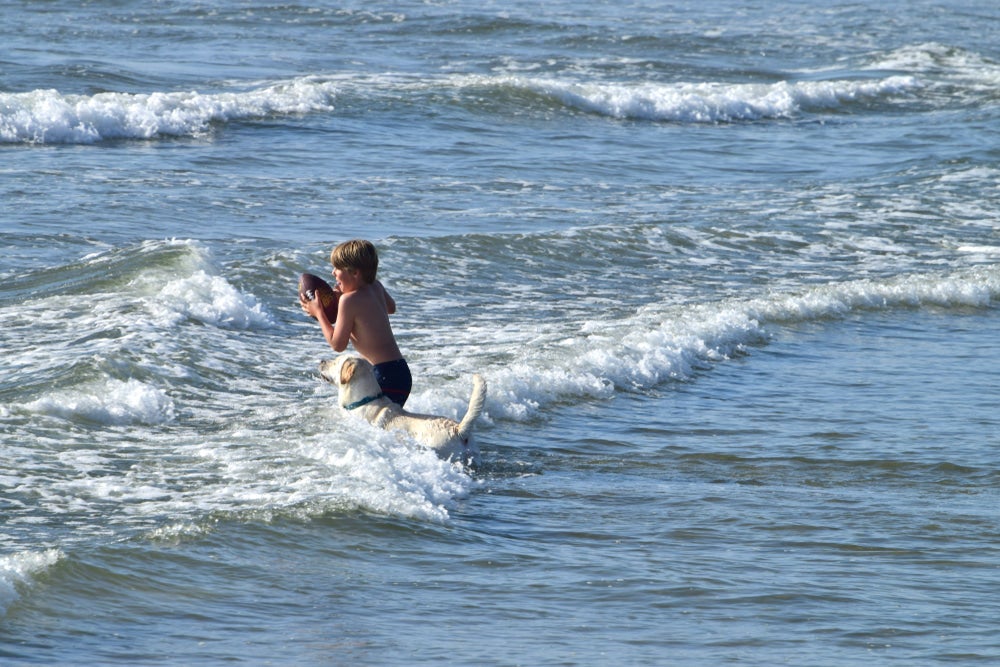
<point x="347" y="371"/>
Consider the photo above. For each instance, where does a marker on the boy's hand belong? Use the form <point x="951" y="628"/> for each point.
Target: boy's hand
<point x="310" y="307"/>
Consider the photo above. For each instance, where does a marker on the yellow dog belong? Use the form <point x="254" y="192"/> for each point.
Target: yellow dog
<point x="360" y="394"/>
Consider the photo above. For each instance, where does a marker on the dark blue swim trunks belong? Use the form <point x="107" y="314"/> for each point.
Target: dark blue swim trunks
<point x="395" y="380"/>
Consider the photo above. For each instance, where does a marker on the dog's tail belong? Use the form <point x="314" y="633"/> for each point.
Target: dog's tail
<point x="476" y="402"/>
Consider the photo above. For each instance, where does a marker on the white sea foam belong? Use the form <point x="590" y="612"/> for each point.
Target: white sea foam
<point x="662" y="342"/>
<point x="190" y="287"/>
<point x="48" y="116"/>
<point x="19" y="569"/>
<point x="111" y="402"/>
<point x="179" y="483"/>
<point x="381" y="471"/>
<point x="713" y="102"/>
<point x="940" y="60"/>
<point x="987" y="250"/>
<point x="974" y="288"/>
<point x="210" y="299"/>
<point x="333" y="463"/>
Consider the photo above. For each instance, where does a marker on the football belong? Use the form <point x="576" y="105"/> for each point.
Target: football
<point x="313" y="287"/>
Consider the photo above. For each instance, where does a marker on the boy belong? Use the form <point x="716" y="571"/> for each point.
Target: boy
<point x="363" y="317"/>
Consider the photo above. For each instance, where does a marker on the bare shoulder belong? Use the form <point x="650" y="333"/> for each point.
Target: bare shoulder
<point x="390" y="303"/>
<point x="368" y="297"/>
<point x="352" y="302"/>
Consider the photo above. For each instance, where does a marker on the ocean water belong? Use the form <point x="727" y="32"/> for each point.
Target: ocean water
<point x="730" y="269"/>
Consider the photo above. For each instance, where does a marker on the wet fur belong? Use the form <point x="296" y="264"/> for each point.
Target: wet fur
<point x="355" y="378"/>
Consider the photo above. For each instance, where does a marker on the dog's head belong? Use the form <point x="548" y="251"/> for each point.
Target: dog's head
<point x="338" y="371"/>
<point x="355" y="377"/>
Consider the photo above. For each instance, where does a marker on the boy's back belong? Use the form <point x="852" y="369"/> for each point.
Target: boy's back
<point x="365" y="314"/>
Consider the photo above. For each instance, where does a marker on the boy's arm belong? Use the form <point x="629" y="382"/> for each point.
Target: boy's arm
<point x="390" y="303"/>
<point x="315" y="309"/>
<point x="338" y="334"/>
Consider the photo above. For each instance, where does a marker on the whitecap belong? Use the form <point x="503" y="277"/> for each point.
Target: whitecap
<point x="19" y="569"/>
<point x="208" y="299"/>
<point x="672" y="342"/>
<point x="980" y="249"/>
<point x="112" y="402"/>
<point x="48" y="116"/>
<point x="713" y="102"/>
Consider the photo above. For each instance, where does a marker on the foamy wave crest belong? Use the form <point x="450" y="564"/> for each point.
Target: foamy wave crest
<point x="386" y="473"/>
<point x="111" y="402"/>
<point x="976" y="288"/>
<point x="943" y="61"/>
<point x="208" y="299"/>
<point x="347" y="464"/>
<point x="18" y="570"/>
<point x="715" y="102"/>
<point x="710" y="332"/>
<point x="670" y="342"/>
<point x="48" y="116"/>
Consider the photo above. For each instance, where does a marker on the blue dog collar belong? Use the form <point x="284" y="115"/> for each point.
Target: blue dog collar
<point x="363" y="401"/>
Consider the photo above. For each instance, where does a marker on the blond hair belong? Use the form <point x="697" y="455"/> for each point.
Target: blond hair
<point x="359" y="255"/>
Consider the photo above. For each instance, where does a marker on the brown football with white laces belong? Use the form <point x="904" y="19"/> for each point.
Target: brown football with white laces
<point x="313" y="287"/>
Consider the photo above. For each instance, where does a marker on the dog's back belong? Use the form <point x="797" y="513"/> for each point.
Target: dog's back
<point x="359" y="391"/>
<point x="432" y="430"/>
<point x="451" y="439"/>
